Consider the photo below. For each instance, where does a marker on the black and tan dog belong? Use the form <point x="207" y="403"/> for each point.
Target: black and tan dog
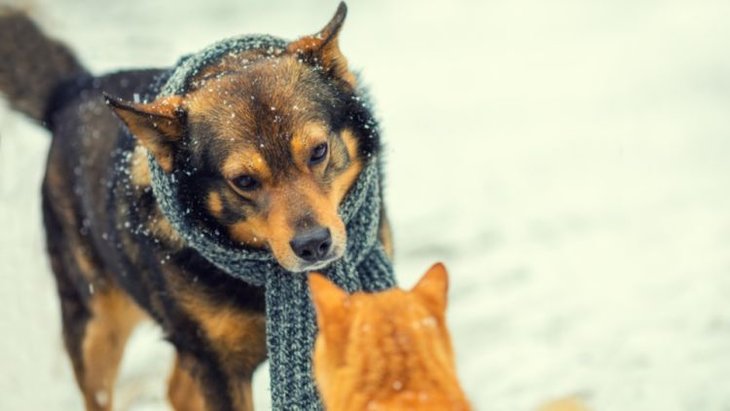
<point x="268" y="178"/>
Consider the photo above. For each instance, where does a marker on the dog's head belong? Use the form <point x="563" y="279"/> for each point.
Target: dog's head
<point x="271" y="143"/>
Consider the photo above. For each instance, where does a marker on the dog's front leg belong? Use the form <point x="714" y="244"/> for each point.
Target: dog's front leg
<point x="198" y="384"/>
<point x="184" y="388"/>
<point x="217" y="353"/>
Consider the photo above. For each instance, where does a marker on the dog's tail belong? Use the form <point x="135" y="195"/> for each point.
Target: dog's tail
<point x="32" y="65"/>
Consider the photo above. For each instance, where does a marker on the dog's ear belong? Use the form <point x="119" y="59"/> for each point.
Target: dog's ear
<point x="323" y="49"/>
<point x="433" y="288"/>
<point x="157" y="125"/>
<point x="329" y="299"/>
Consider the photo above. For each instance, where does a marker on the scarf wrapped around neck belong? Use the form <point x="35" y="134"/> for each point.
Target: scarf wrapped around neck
<point x="290" y="325"/>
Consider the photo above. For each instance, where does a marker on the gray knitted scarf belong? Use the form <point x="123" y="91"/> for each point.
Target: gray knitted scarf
<point x="291" y="326"/>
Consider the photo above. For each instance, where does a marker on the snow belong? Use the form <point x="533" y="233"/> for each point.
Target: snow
<point x="567" y="161"/>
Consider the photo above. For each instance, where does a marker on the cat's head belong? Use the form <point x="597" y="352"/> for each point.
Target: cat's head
<point x="373" y="335"/>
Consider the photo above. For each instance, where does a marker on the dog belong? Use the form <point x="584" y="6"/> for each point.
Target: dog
<point x="270" y="167"/>
<point x="385" y="351"/>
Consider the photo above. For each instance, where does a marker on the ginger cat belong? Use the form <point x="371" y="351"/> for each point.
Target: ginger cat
<point x="385" y="351"/>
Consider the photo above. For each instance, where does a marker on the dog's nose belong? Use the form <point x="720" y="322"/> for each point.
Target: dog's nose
<point x="313" y="244"/>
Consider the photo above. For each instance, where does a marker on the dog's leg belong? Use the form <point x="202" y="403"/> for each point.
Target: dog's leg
<point x="96" y="322"/>
<point x="113" y="317"/>
<point x="192" y="387"/>
<point x="74" y="315"/>
<point x="184" y="390"/>
<point x="243" y="394"/>
<point x="215" y="364"/>
<point x="95" y="335"/>
<point x="219" y="342"/>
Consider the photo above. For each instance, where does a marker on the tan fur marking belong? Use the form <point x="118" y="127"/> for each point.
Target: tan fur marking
<point x="215" y="203"/>
<point x="252" y="232"/>
<point x="249" y="162"/>
<point x="344" y="181"/>
<point x="140" y="168"/>
<point x="162" y="228"/>
<point x="84" y="263"/>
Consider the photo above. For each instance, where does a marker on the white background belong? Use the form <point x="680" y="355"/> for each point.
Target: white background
<point x="568" y="160"/>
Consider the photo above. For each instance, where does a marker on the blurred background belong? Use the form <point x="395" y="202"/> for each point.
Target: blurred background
<point x="567" y="160"/>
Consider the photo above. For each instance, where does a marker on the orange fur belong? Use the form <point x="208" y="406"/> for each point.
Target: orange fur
<point x="385" y="351"/>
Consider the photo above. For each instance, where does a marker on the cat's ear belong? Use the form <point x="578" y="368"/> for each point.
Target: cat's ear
<point x="329" y="299"/>
<point x="433" y="288"/>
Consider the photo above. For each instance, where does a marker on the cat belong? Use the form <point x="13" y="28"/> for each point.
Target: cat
<point x="389" y="350"/>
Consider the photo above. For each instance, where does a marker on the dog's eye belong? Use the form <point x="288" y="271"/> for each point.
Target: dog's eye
<point x="318" y="154"/>
<point x="246" y="183"/>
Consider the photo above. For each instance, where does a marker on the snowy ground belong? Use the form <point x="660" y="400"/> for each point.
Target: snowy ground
<point x="568" y="160"/>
